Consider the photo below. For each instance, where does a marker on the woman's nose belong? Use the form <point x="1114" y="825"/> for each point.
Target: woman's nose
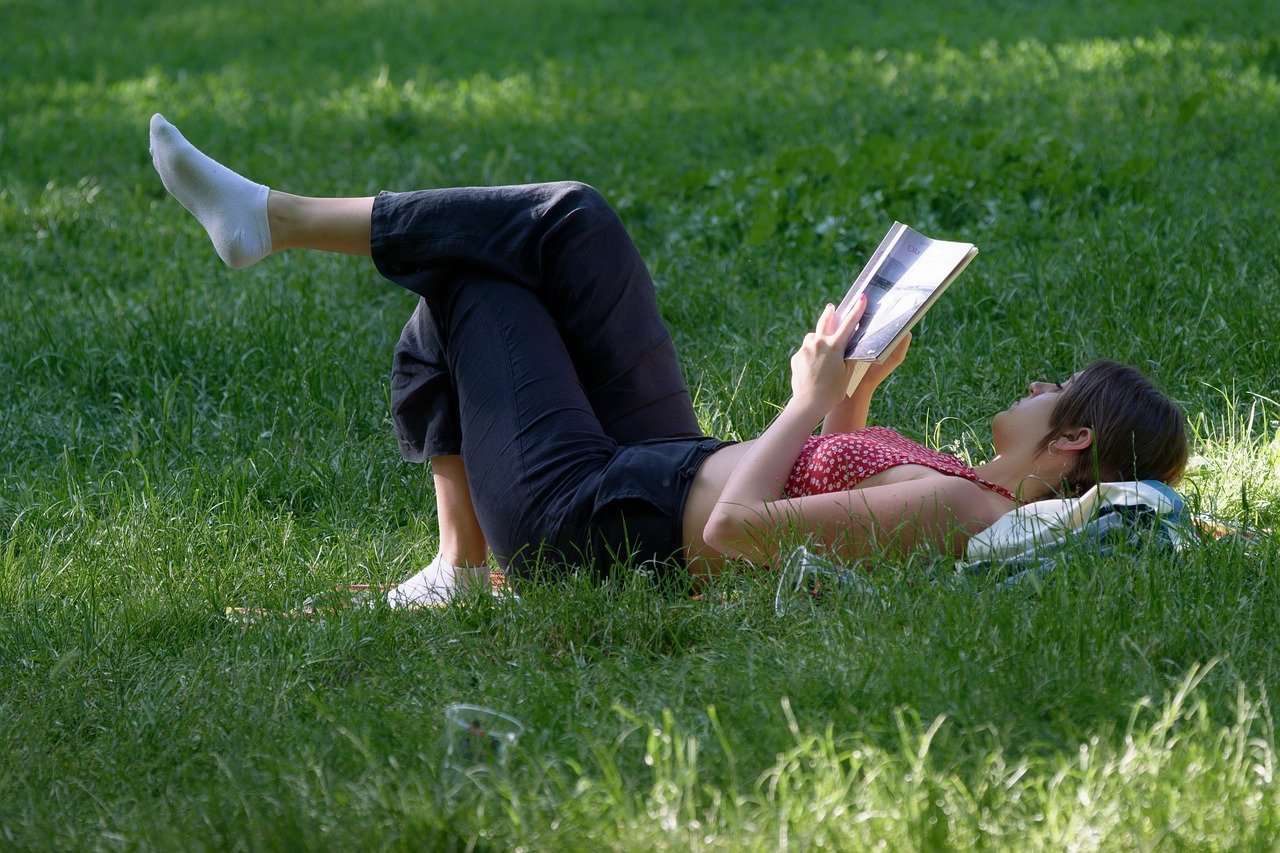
<point x="1039" y="387"/>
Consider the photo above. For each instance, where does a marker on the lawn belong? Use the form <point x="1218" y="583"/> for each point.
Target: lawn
<point x="177" y="438"/>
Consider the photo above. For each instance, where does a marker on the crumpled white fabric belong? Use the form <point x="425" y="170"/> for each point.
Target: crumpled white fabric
<point x="1050" y="522"/>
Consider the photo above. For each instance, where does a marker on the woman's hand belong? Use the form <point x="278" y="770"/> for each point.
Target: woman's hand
<point x="819" y="374"/>
<point x="850" y="413"/>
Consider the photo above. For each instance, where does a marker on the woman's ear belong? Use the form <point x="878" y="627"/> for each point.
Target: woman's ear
<point x="1076" y="439"/>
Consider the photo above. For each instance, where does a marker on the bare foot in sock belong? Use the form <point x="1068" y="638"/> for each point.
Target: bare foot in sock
<point x="232" y="208"/>
<point x="437" y="584"/>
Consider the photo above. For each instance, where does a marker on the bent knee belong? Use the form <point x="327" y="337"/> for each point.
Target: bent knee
<point x="577" y="194"/>
<point x="582" y="200"/>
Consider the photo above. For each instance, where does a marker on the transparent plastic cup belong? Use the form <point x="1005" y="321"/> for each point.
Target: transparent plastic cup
<point x="478" y="744"/>
<point x="806" y="578"/>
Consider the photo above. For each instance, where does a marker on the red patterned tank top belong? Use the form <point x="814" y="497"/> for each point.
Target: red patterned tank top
<point x="841" y="460"/>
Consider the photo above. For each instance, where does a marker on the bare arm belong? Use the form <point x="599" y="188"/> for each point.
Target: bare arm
<point x="940" y="512"/>
<point x="751" y="512"/>
<point x="850" y="414"/>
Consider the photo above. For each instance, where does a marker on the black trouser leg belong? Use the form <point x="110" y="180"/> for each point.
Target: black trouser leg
<point x="561" y="242"/>
<point x="533" y="446"/>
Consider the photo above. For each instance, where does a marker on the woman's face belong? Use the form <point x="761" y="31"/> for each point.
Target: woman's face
<point x="1025" y="423"/>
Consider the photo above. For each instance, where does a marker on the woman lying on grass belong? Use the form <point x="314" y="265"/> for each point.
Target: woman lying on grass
<point x="538" y="379"/>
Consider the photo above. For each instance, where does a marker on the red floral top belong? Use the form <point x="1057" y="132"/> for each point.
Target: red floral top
<point x="841" y="460"/>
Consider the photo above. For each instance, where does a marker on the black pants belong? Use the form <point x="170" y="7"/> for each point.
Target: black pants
<point x="537" y="353"/>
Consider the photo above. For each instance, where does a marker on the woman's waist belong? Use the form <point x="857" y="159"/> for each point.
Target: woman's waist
<point x="659" y="471"/>
<point x="708" y="482"/>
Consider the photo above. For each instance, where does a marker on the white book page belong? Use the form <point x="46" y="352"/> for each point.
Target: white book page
<point x="872" y="267"/>
<point x="914" y="268"/>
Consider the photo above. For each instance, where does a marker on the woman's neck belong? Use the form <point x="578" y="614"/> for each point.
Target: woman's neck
<point x="1019" y="476"/>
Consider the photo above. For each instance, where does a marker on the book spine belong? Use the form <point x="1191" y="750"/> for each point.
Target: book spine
<point x="872" y="267"/>
<point x="860" y="369"/>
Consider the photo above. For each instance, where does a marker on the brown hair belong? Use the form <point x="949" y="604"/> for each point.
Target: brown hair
<point x="1138" y="432"/>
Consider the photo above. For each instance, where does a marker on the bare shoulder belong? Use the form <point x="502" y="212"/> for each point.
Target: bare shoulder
<point x="943" y="497"/>
<point x="974" y="503"/>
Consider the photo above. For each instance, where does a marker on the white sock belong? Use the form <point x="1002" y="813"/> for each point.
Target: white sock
<point x="232" y="208"/>
<point x="437" y="584"/>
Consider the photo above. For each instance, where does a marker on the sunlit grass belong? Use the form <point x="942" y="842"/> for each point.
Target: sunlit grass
<point x="835" y="790"/>
<point x="1236" y="473"/>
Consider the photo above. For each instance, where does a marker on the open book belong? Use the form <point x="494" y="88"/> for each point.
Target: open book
<point x="906" y="273"/>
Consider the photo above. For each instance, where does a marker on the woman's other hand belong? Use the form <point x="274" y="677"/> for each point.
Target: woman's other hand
<point x="819" y="374"/>
<point x="849" y="414"/>
<point x="878" y="373"/>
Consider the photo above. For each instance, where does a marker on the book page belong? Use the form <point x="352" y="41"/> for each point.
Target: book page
<point x="911" y="273"/>
<point x="869" y="271"/>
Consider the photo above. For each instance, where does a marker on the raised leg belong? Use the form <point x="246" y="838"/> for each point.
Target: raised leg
<point x="323" y="224"/>
<point x="245" y="220"/>
<point x="565" y="244"/>
<point x="561" y="241"/>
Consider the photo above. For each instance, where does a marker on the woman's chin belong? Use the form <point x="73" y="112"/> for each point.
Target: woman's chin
<point x="998" y="431"/>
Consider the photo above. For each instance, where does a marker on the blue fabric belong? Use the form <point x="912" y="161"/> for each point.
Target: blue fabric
<point x="1115" y="529"/>
<point x="1180" y="506"/>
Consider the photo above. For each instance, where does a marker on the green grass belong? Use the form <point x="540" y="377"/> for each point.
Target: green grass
<point x="176" y="438"/>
